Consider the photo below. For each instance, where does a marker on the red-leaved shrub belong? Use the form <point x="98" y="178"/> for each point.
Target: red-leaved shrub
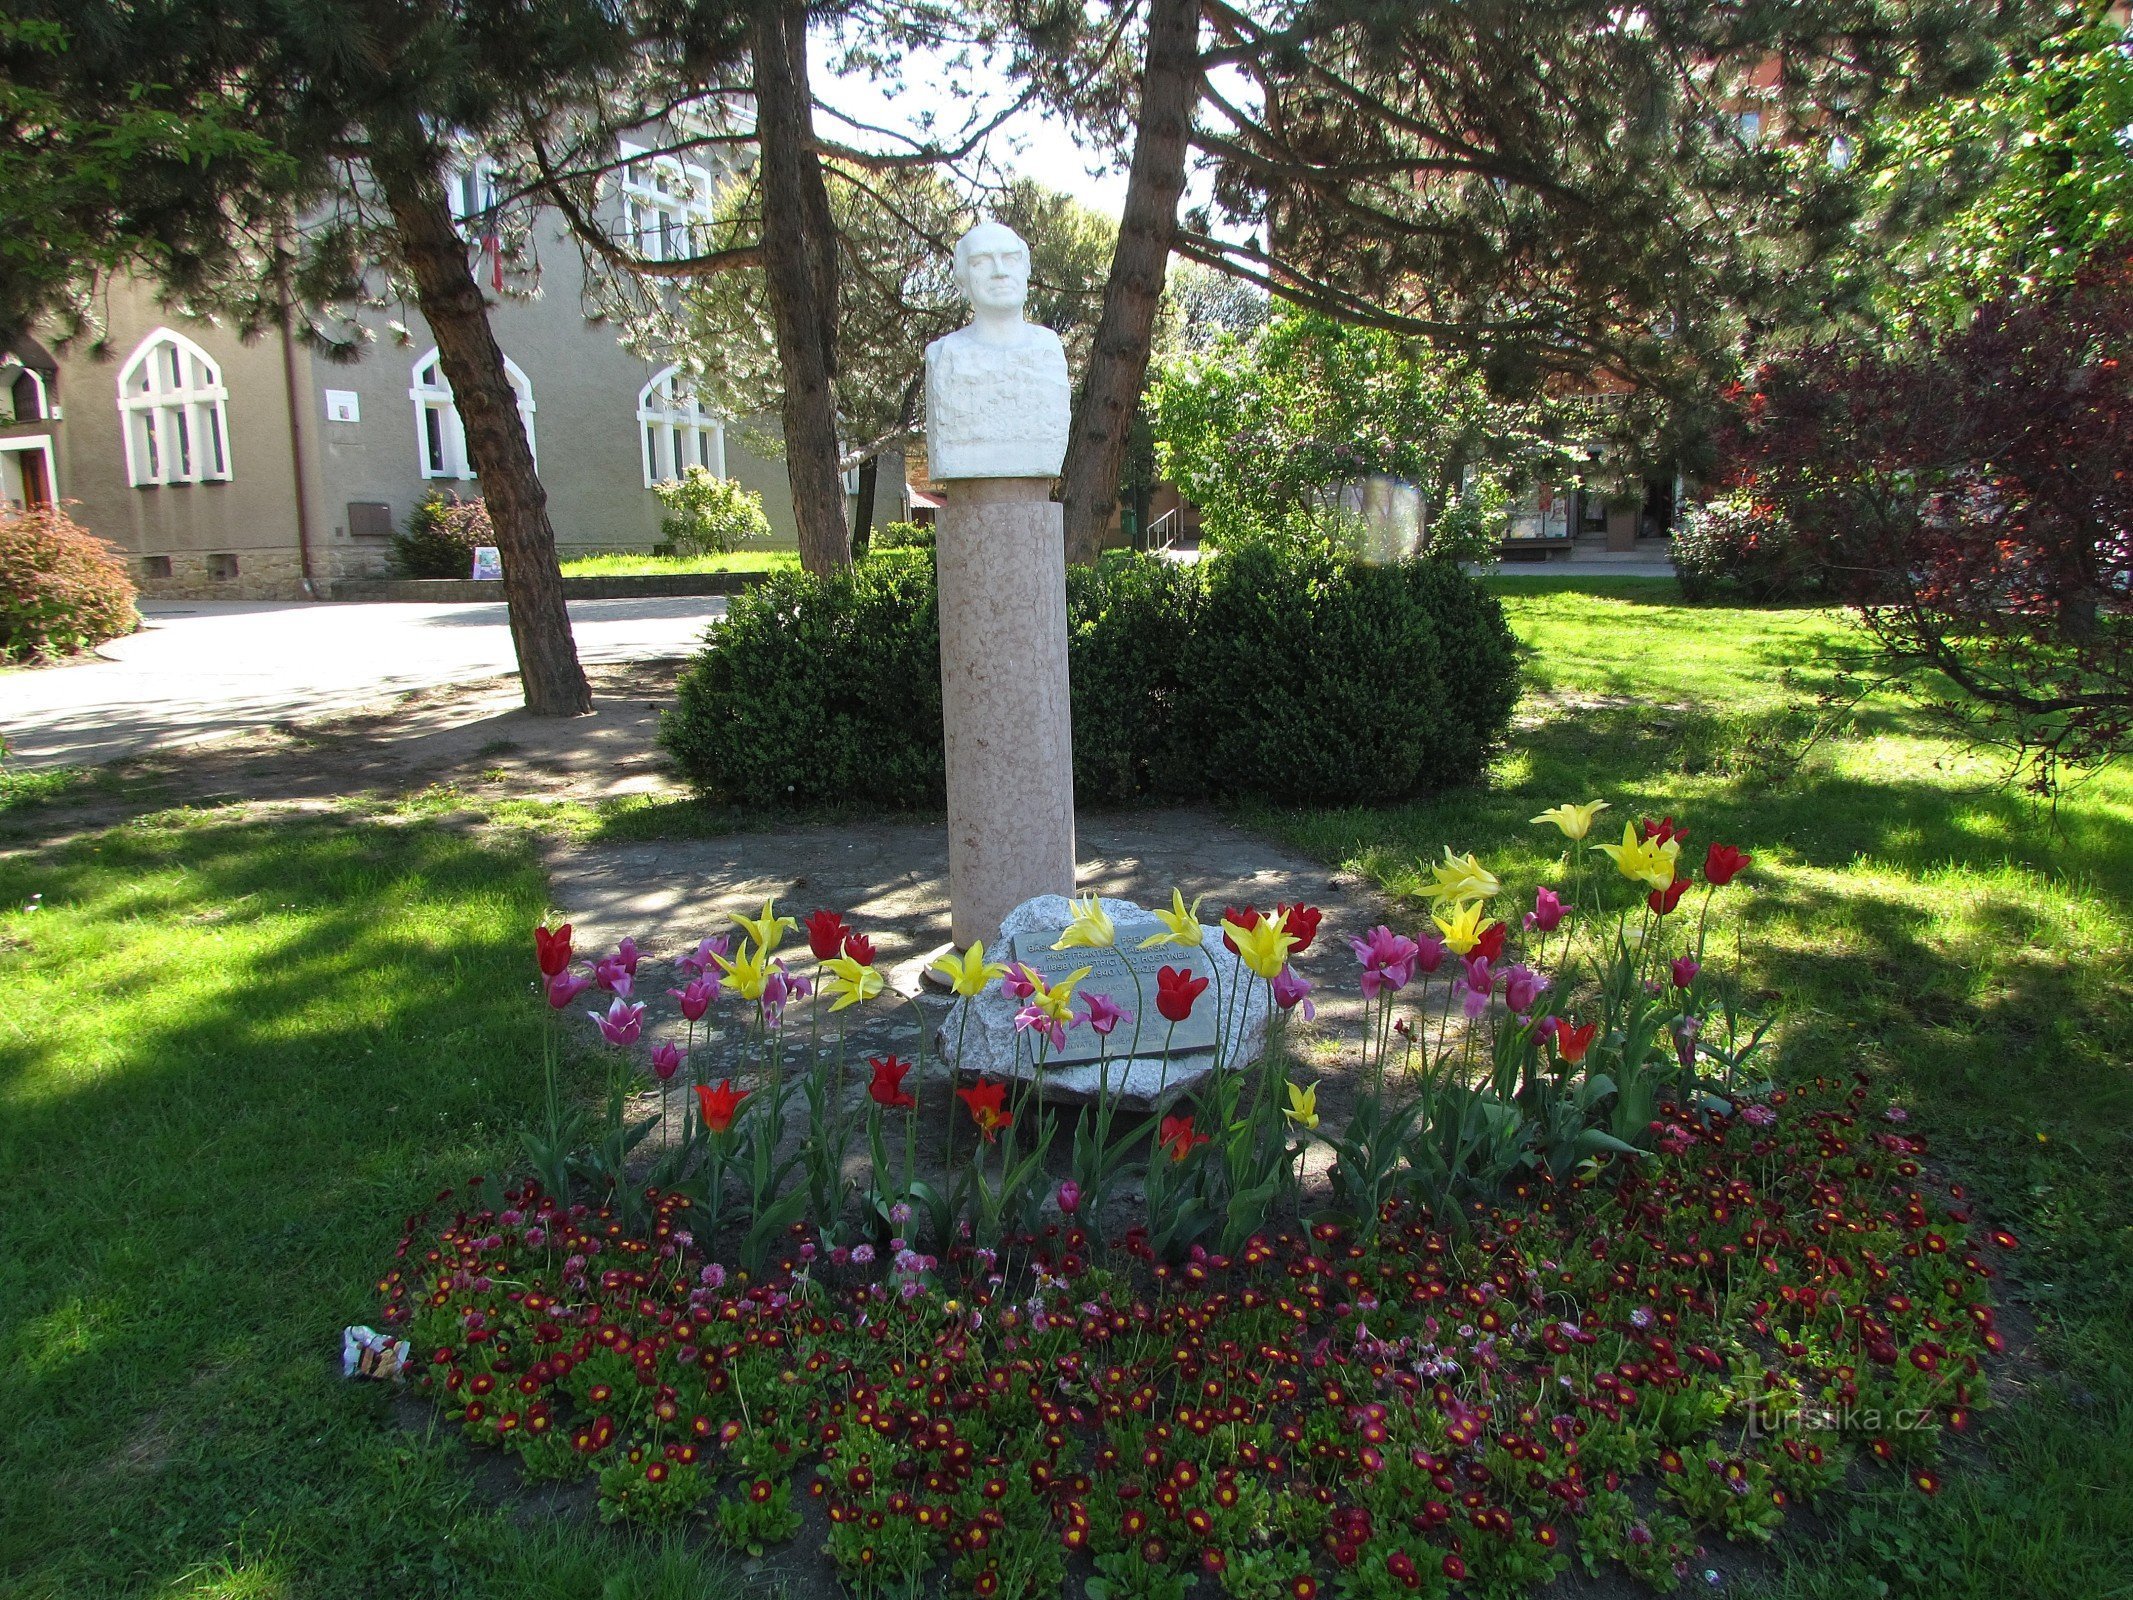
<point x="62" y="589"/>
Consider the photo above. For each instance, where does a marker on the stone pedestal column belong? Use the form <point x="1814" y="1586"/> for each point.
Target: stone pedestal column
<point x="1001" y="560"/>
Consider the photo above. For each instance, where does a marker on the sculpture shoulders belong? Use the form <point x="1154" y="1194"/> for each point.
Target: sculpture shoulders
<point x="997" y="408"/>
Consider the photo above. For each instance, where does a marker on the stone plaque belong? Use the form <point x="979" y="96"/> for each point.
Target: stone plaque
<point x="1111" y="974"/>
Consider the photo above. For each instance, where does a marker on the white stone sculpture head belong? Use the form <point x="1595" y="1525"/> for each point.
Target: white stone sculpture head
<point x="992" y="270"/>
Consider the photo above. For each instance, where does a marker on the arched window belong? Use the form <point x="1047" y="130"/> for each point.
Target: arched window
<point x="171" y="410"/>
<point x="27" y="397"/>
<point x="677" y="432"/>
<point x="440" y="437"/>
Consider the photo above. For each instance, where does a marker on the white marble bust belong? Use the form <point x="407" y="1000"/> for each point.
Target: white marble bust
<point x="997" y="397"/>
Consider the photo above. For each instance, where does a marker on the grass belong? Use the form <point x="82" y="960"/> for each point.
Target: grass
<point x="236" y="1054"/>
<point x="1924" y="924"/>
<point x="623" y="564"/>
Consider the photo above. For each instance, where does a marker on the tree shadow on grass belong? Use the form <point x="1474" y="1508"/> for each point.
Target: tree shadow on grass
<point x="278" y="1039"/>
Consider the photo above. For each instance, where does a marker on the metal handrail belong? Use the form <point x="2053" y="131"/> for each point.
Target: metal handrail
<point x="1163" y="532"/>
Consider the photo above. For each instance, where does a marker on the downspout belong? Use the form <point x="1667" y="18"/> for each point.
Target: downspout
<point x="296" y="437"/>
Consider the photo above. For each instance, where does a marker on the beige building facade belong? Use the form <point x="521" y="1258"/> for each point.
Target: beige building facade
<point x="257" y="470"/>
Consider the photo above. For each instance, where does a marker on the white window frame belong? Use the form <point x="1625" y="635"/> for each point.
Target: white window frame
<point x="443" y="454"/>
<point x="173" y="413"/>
<point x="666" y="203"/>
<point x="11" y="362"/>
<point x="674" y="431"/>
<point x="470" y="192"/>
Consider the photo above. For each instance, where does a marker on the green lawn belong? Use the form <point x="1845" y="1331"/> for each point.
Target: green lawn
<point x="237" y="1052"/>
<point x="1924" y="924"/>
<point x="235" y="1055"/>
<point x="621" y="564"/>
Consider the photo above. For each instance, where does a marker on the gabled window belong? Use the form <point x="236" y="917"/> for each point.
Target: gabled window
<point x="677" y="432"/>
<point x="440" y="437"/>
<point x="172" y="412"/>
<point x="666" y="204"/>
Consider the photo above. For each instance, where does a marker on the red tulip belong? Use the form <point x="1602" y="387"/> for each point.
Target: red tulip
<point x="1243" y="917"/>
<point x="825" y="934"/>
<point x="860" y="948"/>
<point x="1664" y="900"/>
<point x="1177" y="1137"/>
<point x="1302" y="921"/>
<point x="1662" y="830"/>
<point x="1721" y="864"/>
<point x="1176" y="989"/>
<point x="1490" y="945"/>
<point x="1572" y="1043"/>
<point x="551" y="948"/>
<point x="987" y="1107"/>
<point x="887" y="1089"/>
<point x="719" y="1105"/>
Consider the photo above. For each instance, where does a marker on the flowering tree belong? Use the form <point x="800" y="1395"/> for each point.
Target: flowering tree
<point x="1971" y="496"/>
<point x="1264" y="426"/>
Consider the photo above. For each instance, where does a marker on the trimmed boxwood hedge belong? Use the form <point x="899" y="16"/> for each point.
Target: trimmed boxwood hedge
<point x="1286" y="673"/>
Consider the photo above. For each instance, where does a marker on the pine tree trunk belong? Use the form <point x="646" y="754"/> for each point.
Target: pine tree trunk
<point x="863" y="507"/>
<point x="800" y="277"/>
<point x="435" y="257"/>
<point x="1118" y="360"/>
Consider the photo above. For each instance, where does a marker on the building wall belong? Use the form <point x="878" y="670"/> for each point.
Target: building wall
<point x="586" y="435"/>
<point x="234" y="539"/>
<point x="238" y="539"/>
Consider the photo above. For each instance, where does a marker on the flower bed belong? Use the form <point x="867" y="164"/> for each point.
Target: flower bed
<point x="1582" y="1289"/>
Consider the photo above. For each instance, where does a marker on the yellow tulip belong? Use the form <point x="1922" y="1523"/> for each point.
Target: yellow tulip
<point x="1645" y="861"/>
<point x="1055" y="1000"/>
<point x="1091" y="927"/>
<point x="1303" y="1106"/>
<point x="1463" y="932"/>
<point x="1181" y="924"/>
<point x="1264" y="947"/>
<point x="748" y="972"/>
<point x="968" y="973"/>
<point x="1575" y="821"/>
<point x="850" y="982"/>
<point x="767" y="930"/>
<point x="1458" y="879"/>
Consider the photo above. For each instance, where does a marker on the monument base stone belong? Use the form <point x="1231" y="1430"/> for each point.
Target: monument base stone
<point x="1140" y="1075"/>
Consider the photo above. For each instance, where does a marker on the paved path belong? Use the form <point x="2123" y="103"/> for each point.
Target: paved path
<point x="202" y="670"/>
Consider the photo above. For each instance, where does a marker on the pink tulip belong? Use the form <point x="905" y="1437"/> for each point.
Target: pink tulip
<point x="1685" y="970"/>
<point x="1104" y="1014"/>
<point x="626" y="954"/>
<point x="1017" y="985"/>
<point x="621" y="1022"/>
<point x="666" y="1061"/>
<point x="1430" y="952"/>
<point x="696" y="999"/>
<point x="1069" y="1197"/>
<point x="1033" y="1018"/>
<point x="701" y="961"/>
<point x="565" y="987"/>
<point x="1547" y="912"/>
<point x="1521" y="987"/>
<point x="1479" y="982"/>
<point x="1388" y="960"/>
<point x="1291" y="990"/>
<point x="615" y="975"/>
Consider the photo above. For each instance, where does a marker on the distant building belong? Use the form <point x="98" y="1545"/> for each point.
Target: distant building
<point x="234" y="470"/>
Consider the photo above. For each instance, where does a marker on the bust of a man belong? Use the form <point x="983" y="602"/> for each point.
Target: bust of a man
<point x="997" y="398"/>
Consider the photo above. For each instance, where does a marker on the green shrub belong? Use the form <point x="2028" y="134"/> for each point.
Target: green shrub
<point x="818" y="689"/>
<point x="62" y="589"/>
<point x="1739" y="547"/>
<point x="901" y="536"/>
<point x="708" y="515"/>
<point x="1274" y="670"/>
<point x="441" y="536"/>
<point x="1323" y="680"/>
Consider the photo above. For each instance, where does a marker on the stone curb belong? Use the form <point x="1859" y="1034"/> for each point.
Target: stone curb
<point x="449" y="591"/>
